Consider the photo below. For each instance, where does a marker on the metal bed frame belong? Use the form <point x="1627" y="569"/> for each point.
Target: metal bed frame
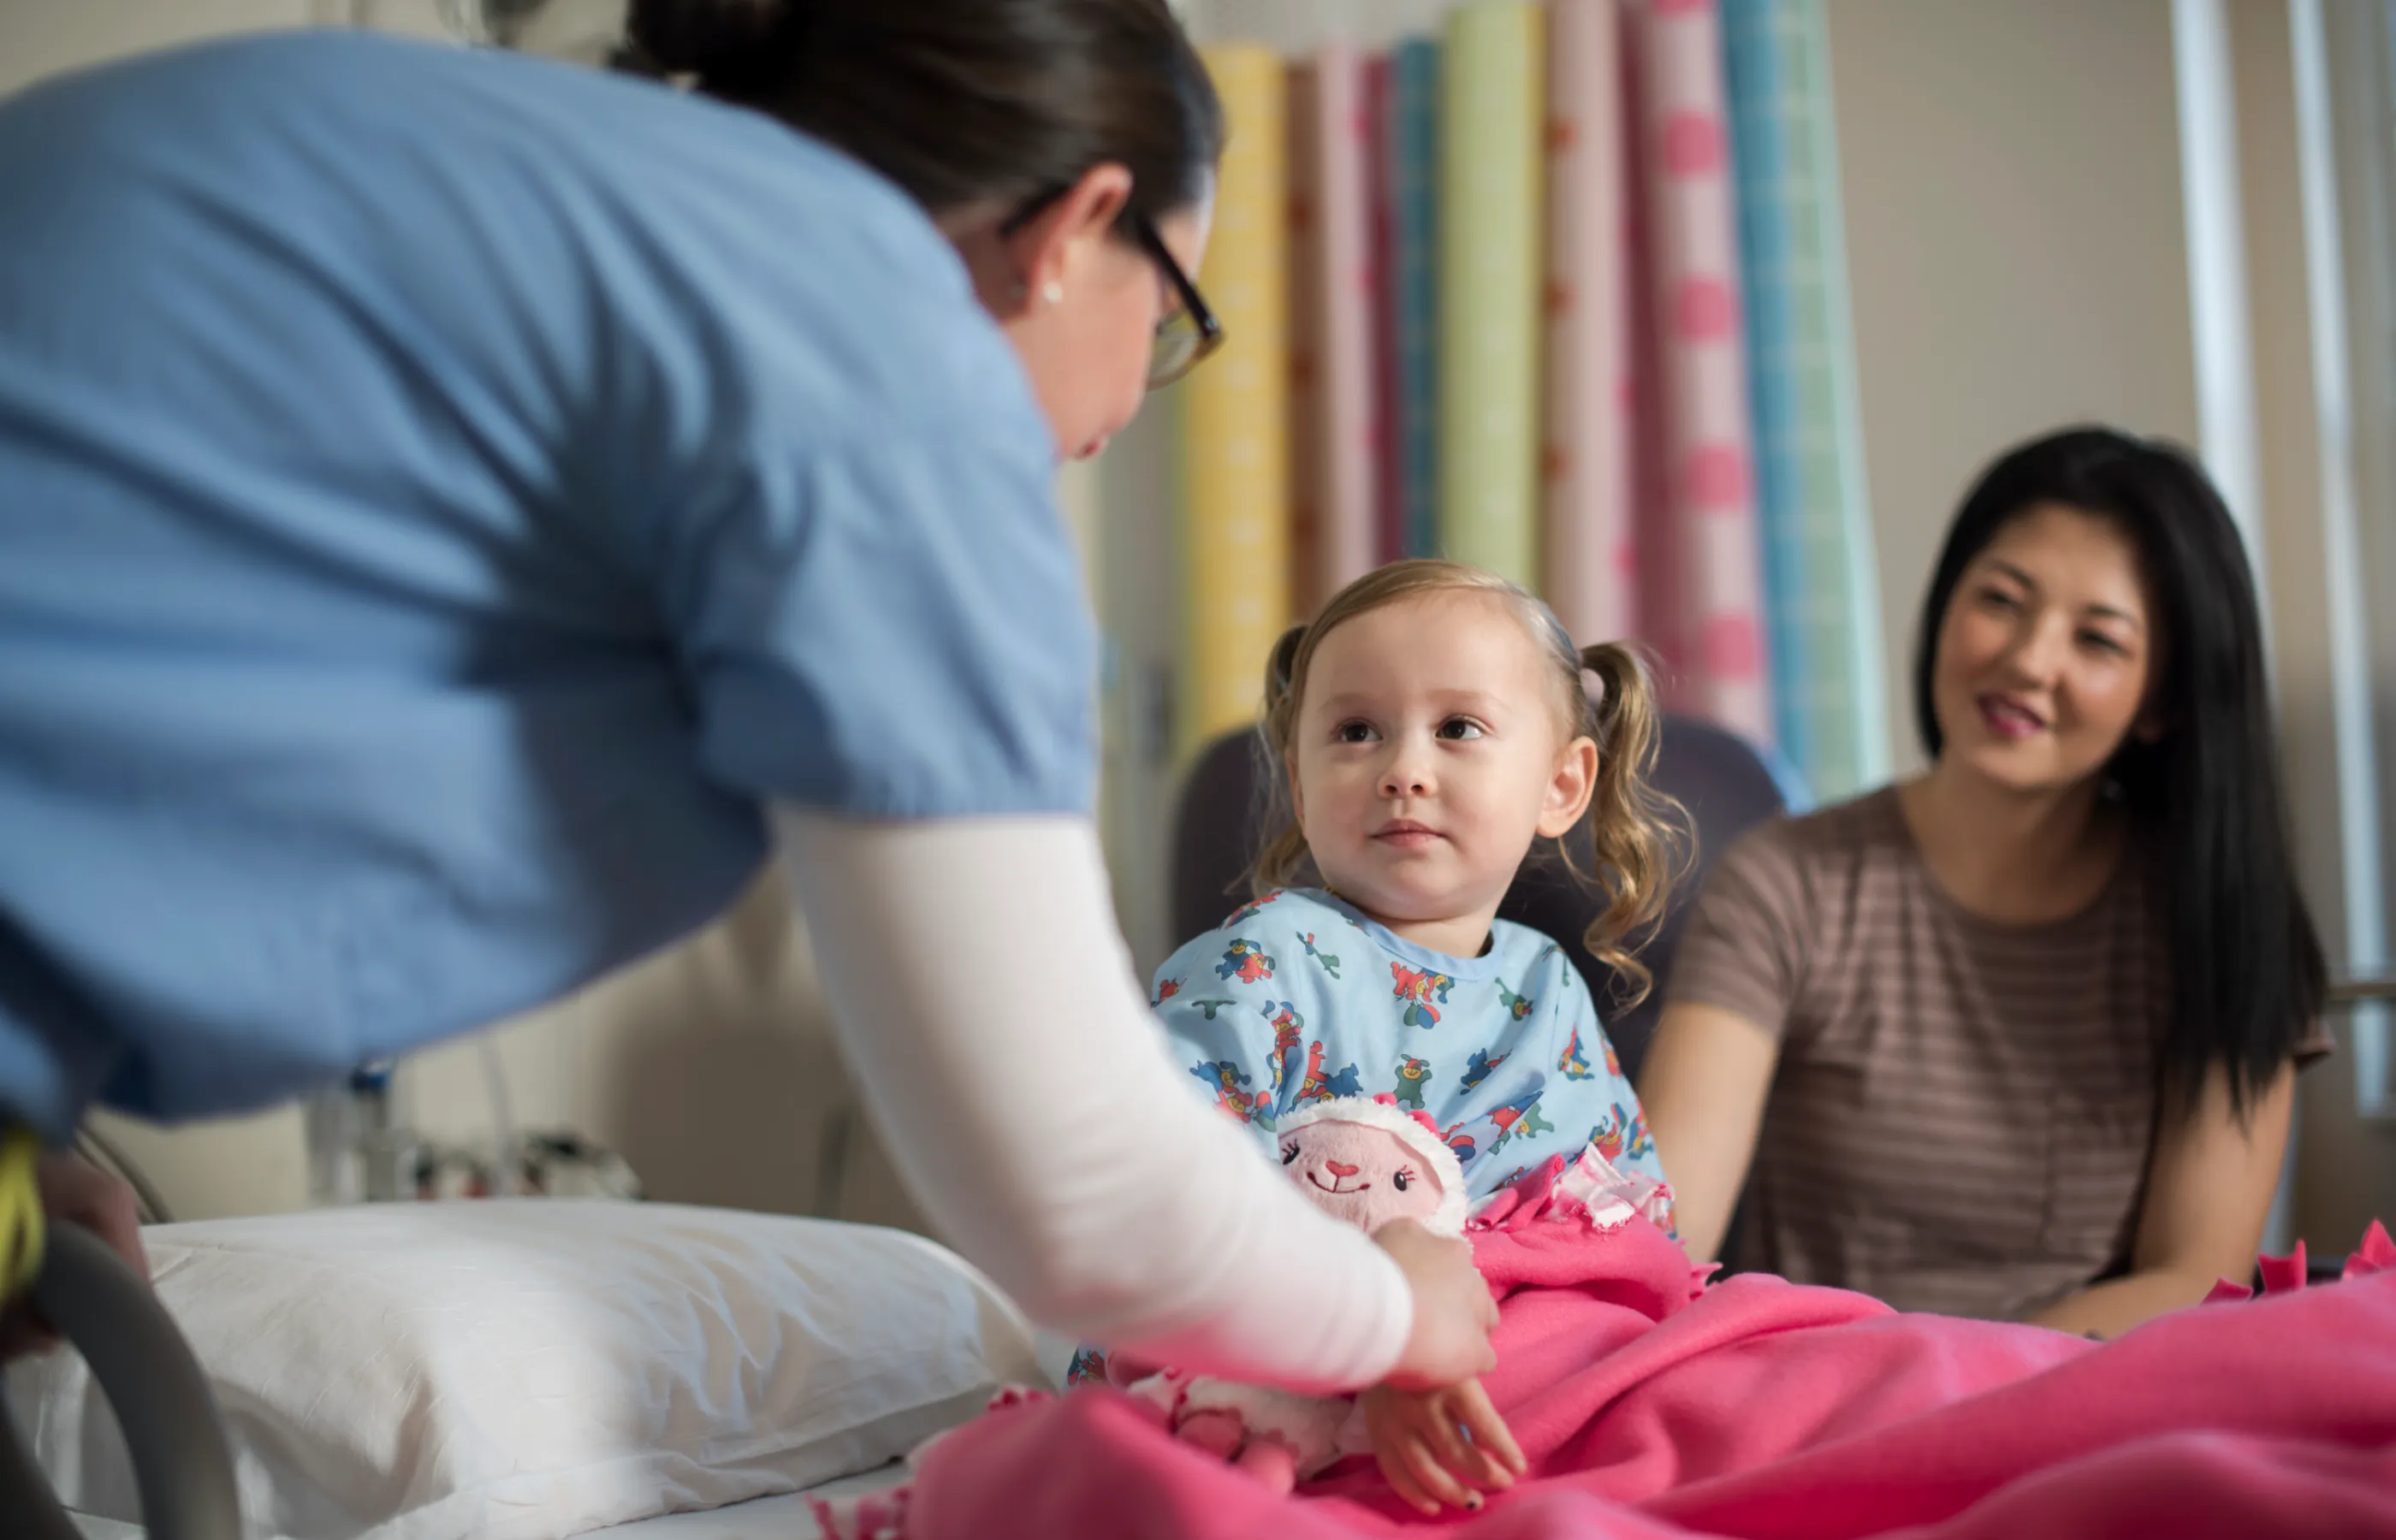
<point x="182" y="1464"/>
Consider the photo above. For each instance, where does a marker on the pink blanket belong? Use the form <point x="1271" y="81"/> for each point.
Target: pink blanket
<point x="1652" y="1407"/>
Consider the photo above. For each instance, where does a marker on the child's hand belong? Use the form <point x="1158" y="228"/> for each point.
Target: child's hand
<point x="1419" y="1437"/>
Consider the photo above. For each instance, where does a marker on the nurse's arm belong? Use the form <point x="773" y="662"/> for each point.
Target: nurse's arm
<point x="988" y="1007"/>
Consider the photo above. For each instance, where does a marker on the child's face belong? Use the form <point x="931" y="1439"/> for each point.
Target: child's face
<point x="1427" y="756"/>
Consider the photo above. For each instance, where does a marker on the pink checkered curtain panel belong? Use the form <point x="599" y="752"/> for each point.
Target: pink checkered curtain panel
<point x="1590" y="564"/>
<point x="1700" y="582"/>
<point x="1381" y="261"/>
<point x="1336" y="377"/>
<point x="1309" y="405"/>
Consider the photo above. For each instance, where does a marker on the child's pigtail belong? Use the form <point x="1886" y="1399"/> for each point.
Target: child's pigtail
<point x="1630" y="822"/>
<point x="1278" y="669"/>
<point x="1278" y="863"/>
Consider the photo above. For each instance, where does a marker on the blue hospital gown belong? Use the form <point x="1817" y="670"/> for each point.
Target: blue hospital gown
<point x="1299" y="997"/>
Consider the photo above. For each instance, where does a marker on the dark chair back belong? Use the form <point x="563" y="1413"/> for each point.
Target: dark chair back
<point x="1724" y="781"/>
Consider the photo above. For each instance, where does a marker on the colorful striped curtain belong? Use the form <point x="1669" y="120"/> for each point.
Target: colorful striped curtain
<point x="1700" y="556"/>
<point x="1335" y="379"/>
<point x="1309" y="409"/>
<point x="1751" y="58"/>
<point x="1492" y="272"/>
<point x="1235" y="470"/>
<point x="1381" y="252"/>
<point x="1590" y="544"/>
<point x="1823" y="584"/>
<point x="1411" y="130"/>
<point x="1559" y="292"/>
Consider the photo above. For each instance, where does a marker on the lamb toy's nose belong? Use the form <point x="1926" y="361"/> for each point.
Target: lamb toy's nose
<point x="1339" y="1169"/>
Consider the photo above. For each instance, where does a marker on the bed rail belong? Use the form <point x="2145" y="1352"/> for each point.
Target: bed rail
<point x="183" y="1465"/>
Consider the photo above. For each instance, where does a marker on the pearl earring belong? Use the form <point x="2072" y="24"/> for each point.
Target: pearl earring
<point x="1052" y="293"/>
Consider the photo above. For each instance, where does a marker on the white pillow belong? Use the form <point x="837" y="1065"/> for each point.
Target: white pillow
<point x="530" y="1369"/>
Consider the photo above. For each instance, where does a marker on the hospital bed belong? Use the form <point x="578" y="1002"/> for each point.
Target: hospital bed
<point x="783" y="1518"/>
<point x="178" y="1442"/>
<point x="185" y="1464"/>
<point x="411" y="1371"/>
<point x="170" y="1418"/>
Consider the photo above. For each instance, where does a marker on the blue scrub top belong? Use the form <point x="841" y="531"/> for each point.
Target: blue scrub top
<point x="443" y="495"/>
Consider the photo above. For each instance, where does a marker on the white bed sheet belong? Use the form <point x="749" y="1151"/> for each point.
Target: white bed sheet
<point x="782" y="1518"/>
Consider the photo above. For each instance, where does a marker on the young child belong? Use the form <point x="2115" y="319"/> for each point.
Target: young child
<point x="1432" y="723"/>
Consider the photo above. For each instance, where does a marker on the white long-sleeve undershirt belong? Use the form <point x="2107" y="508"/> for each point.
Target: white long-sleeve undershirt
<point x="988" y="1010"/>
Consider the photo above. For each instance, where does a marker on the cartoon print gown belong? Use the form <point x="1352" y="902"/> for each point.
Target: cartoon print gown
<point x="1299" y="997"/>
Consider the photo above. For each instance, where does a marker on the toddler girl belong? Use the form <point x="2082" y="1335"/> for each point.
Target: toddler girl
<point x="1429" y="726"/>
<point x="1432" y="723"/>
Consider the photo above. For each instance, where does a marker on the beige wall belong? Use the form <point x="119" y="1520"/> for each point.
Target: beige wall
<point x="40" y="37"/>
<point x="709" y="1067"/>
<point x="2015" y="245"/>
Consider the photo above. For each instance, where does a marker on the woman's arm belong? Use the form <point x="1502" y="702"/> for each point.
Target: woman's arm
<point x="2208" y="1196"/>
<point x="986" y="1003"/>
<point x="1704" y="1082"/>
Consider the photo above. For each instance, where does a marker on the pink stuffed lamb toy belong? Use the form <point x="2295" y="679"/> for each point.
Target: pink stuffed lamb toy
<point x="1365" y="1161"/>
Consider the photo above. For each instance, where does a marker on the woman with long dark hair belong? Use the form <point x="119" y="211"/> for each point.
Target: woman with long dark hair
<point x="2018" y="1038"/>
<point x="463" y="514"/>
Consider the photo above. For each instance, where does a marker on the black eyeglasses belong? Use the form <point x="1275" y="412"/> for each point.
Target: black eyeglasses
<point x="1187" y="335"/>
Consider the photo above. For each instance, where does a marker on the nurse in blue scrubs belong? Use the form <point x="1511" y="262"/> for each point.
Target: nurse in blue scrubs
<point x="460" y="516"/>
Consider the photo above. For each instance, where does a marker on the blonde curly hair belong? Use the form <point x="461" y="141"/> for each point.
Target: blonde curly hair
<point x="1630" y="822"/>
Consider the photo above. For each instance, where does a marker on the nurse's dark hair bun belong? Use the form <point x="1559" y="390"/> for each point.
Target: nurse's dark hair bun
<point x="962" y="102"/>
<point x="733" y="47"/>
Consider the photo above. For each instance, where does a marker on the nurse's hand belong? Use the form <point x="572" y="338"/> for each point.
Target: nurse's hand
<point x="75" y="1192"/>
<point x="1453" y="1311"/>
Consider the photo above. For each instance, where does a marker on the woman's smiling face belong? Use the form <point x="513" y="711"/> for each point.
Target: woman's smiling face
<point x="2046" y="652"/>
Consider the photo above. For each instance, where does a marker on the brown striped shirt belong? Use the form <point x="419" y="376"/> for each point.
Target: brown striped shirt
<point x="1962" y="1111"/>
